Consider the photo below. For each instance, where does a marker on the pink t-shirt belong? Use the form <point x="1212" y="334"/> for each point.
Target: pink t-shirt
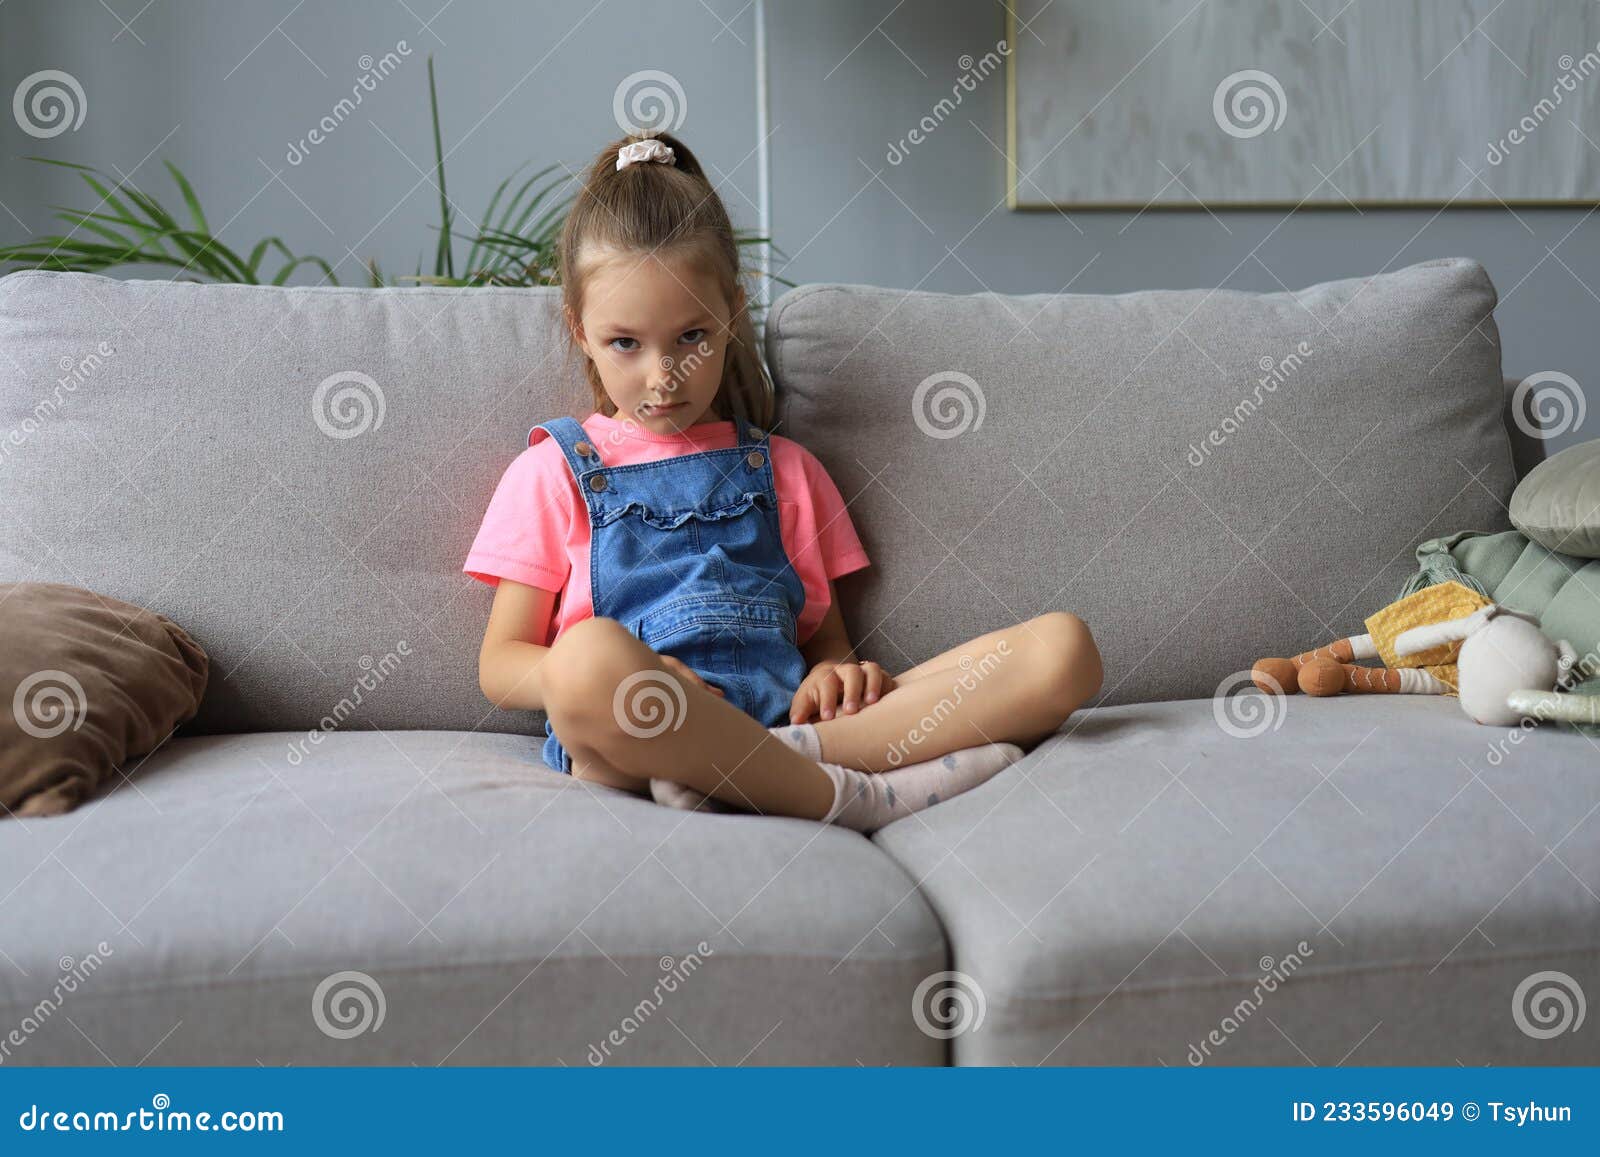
<point x="536" y="530"/>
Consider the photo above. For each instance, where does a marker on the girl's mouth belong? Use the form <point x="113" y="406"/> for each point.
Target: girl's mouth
<point x="664" y="407"/>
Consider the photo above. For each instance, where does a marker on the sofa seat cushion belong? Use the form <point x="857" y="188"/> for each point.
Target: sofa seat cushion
<point x="506" y="914"/>
<point x="1368" y="880"/>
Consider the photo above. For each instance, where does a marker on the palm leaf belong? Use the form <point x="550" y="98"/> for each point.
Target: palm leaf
<point x="144" y="232"/>
<point x="189" y="197"/>
<point x="444" y="261"/>
<point x="517" y="244"/>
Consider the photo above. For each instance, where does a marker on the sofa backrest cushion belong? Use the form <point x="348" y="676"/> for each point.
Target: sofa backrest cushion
<point x="293" y="475"/>
<point x="1205" y="476"/>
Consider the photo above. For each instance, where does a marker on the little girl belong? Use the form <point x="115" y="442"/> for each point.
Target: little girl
<point x="664" y="569"/>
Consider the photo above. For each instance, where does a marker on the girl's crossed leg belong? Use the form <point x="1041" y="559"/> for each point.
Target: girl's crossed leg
<point x="1017" y="685"/>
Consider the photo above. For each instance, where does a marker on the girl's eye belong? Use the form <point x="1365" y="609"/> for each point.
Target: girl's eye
<point x="696" y="341"/>
<point x="613" y="344"/>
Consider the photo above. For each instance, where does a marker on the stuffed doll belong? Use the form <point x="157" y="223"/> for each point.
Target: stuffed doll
<point x="1524" y="602"/>
<point x="1487" y="657"/>
<point x="1332" y="668"/>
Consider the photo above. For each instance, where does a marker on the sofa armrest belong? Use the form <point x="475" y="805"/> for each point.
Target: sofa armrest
<point x="1527" y="450"/>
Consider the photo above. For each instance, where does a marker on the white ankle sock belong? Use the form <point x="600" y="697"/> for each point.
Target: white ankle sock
<point x="678" y="795"/>
<point x="866" y="801"/>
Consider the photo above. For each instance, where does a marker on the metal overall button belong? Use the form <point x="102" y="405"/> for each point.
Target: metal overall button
<point x="755" y="458"/>
<point x="597" y="482"/>
<point x="584" y="449"/>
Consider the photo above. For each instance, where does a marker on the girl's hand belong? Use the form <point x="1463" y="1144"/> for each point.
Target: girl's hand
<point x="832" y="683"/>
<point x="678" y="668"/>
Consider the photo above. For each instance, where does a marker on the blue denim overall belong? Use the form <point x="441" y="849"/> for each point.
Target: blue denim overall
<point x="687" y="553"/>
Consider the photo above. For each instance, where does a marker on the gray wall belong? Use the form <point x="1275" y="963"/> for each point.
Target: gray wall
<point x="222" y="88"/>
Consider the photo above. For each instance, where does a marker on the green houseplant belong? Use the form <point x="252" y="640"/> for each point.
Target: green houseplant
<point x="515" y="244"/>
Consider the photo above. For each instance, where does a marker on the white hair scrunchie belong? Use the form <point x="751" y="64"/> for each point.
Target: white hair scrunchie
<point x="645" y="150"/>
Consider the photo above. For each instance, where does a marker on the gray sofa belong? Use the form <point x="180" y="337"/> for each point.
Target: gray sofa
<point x="348" y="857"/>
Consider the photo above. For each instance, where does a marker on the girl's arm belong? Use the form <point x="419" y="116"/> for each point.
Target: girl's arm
<point x="829" y="643"/>
<point x="835" y="677"/>
<point x="509" y="660"/>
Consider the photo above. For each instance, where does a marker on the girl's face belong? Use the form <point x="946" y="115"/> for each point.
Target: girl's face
<point x="657" y="331"/>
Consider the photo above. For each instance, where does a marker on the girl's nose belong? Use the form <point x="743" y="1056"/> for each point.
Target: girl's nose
<point x="663" y="379"/>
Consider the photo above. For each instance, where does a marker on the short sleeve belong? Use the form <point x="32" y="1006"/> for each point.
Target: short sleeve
<point x="524" y="532"/>
<point x="837" y="540"/>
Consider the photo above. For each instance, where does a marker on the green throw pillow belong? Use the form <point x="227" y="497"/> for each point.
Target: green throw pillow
<point x="1558" y="504"/>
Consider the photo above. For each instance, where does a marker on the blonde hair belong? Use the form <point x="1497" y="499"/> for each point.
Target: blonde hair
<point x="671" y="209"/>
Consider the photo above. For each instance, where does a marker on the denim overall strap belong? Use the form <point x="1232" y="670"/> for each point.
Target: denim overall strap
<point x="581" y="455"/>
<point x="569" y="434"/>
<point x="756" y="461"/>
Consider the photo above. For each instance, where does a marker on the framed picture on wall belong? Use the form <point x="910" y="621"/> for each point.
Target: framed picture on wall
<point x="1316" y="103"/>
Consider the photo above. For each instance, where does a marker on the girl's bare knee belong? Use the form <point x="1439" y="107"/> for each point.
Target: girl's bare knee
<point x="587" y="664"/>
<point x="1070" y="671"/>
<point x="590" y="635"/>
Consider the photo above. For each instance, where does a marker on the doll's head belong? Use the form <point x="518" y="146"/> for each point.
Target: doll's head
<point x="652" y="294"/>
<point x="1503" y="651"/>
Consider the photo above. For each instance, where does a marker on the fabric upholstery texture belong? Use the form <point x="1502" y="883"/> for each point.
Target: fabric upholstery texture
<point x="507" y="914"/>
<point x="294" y="476"/>
<point x="1069" y="464"/>
<point x="1168" y="864"/>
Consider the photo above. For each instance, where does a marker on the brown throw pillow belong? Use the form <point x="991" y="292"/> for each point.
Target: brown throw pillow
<point x="88" y="682"/>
